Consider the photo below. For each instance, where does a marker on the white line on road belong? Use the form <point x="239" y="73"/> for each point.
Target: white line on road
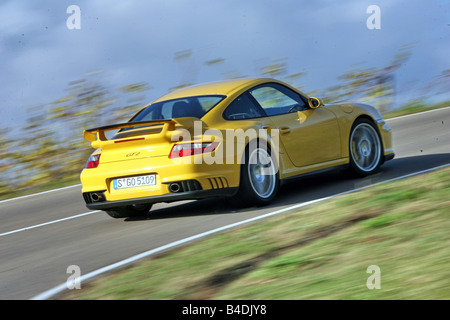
<point x="88" y="213"/>
<point x="78" y="185"/>
<point x="40" y="193"/>
<point x="58" y="289"/>
<point x="47" y="223"/>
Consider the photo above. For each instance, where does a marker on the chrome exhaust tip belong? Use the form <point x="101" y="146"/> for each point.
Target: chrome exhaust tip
<point x="174" y="187"/>
<point x="97" y="196"/>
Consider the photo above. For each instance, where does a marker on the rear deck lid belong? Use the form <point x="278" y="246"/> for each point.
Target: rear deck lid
<point x="137" y="140"/>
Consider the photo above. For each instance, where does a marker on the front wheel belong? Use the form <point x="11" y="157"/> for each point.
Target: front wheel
<point x="135" y="210"/>
<point x="259" y="178"/>
<point x="365" y="148"/>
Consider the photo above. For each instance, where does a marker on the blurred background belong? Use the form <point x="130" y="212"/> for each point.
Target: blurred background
<point x="57" y="81"/>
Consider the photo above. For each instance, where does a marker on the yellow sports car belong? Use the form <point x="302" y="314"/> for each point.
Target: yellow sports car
<point x="237" y="138"/>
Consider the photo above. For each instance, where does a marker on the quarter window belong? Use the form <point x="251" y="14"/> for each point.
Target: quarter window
<point x="243" y="108"/>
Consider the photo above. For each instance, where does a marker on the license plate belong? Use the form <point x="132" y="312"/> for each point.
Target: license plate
<point x="133" y="182"/>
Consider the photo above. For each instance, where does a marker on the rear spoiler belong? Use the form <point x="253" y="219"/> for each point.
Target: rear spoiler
<point x="98" y="133"/>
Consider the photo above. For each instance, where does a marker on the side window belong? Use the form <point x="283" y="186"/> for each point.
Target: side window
<point x="243" y="108"/>
<point x="276" y="99"/>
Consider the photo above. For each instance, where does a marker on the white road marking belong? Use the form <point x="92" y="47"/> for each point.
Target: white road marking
<point x="40" y="193"/>
<point x="47" y="223"/>
<point x="49" y="293"/>
<point x="88" y="213"/>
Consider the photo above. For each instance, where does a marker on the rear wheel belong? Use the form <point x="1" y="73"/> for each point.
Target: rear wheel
<point x="259" y="177"/>
<point x="365" y="148"/>
<point x="135" y="210"/>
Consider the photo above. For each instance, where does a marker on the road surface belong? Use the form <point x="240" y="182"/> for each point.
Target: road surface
<point x="42" y="235"/>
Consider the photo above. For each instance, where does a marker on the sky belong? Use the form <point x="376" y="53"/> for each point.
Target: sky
<point x="137" y="41"/>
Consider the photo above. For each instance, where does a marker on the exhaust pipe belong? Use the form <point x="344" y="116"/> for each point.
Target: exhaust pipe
<point x="174" y="187"/>
<point x="184" y="186"/>
<point x="97" y="196"/>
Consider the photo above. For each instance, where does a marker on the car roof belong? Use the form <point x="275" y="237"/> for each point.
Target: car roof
<point x="224" y="87"/>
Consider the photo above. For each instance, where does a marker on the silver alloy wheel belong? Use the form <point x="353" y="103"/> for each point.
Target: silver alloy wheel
<point x="261" y="173"/>
<point x="365" y="147"/>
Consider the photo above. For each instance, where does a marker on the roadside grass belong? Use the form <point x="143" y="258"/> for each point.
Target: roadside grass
<point x="320" y="252"/>
<point x="415" y="108"/>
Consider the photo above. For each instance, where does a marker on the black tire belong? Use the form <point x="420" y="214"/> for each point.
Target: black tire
<point x="259" y="180"/>
<point x="140" y="210"/>
<point x="365" y="148"/>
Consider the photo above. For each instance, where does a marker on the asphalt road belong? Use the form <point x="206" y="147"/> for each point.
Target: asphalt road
<point x="36" y="249"/>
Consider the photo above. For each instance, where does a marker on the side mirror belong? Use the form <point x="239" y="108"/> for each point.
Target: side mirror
<point x="314" y="102"/>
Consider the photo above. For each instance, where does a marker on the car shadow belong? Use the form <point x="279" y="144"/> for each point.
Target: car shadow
<point x="303" y="189"/>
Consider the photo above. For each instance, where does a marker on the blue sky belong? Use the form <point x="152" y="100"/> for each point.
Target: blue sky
<point x="136" y="41"/>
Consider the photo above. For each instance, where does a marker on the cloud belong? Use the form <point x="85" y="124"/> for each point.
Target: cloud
<point x="135" y="41"/>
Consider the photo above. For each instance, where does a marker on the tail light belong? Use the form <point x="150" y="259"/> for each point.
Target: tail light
<point x="189" y="149"/>
<point x="93" y="161"/>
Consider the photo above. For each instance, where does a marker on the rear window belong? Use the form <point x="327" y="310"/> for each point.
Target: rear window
<point x="195" y="107"/>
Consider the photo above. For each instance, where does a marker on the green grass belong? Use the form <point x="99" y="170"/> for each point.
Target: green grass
<point x="320" y="252"/>
<point x="414" y="108"/>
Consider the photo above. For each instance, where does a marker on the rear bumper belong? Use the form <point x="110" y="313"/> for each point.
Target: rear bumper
<point x="194" y="181"/>
<point x="188" y="195"/>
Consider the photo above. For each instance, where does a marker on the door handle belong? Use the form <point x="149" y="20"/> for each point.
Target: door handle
<point x="265" y="127"/>
<point x="285" y="130"/>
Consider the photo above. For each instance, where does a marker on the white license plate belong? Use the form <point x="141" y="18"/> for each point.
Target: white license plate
<point x="133" y="182"/>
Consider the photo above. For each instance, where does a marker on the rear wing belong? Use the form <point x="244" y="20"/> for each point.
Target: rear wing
<point x="98" y="134"/>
